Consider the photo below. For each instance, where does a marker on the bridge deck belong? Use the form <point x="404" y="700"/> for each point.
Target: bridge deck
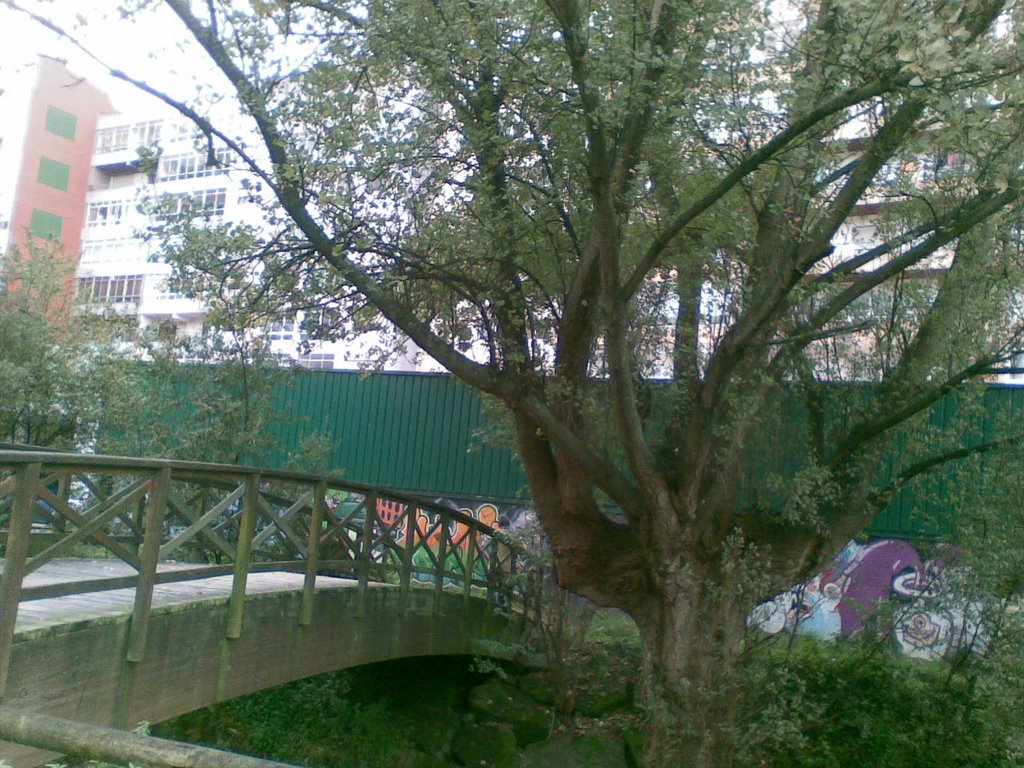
<point x="42" y="615"/>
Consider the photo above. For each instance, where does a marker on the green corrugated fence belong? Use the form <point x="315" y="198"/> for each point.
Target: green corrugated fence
<point x="423" y="433"/>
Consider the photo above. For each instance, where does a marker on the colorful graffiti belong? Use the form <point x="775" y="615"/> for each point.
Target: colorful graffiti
<point x="929" y="621"/>
<point x="424" y="558"/>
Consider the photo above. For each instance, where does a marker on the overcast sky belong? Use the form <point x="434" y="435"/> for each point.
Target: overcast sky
<point x="149" y="46"/>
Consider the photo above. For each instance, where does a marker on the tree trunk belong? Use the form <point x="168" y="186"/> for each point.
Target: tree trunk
<point x="691" y="642"/>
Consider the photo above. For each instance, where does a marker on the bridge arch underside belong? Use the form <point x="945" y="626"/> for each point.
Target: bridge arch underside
<point x="80" y="672"/>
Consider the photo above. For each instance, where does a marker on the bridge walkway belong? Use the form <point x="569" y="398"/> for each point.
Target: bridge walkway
<point x="221" y="581"/>
<point x="80" y="608"/>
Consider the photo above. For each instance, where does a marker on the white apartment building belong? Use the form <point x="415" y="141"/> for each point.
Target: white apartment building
<point x="121" y="271"/>
<point x="117" y="267"/>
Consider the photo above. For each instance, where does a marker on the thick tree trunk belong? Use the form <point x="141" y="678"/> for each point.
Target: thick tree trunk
<point x="691" y="642"/>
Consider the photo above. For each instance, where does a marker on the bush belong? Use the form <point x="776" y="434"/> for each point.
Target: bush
<point x="311" y="721"/>
<point x="833" y="706"/>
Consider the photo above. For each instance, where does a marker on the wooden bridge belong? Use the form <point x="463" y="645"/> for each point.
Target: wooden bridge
<point x="213" y="581"/>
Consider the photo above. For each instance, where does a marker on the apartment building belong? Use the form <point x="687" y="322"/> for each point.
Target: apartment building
<point x="72" y="181"/>
<point x="119" y="269"/>
<point x="46" y="140"/>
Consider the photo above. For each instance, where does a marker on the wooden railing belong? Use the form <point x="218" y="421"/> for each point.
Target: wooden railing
<point x="226" y="519"/>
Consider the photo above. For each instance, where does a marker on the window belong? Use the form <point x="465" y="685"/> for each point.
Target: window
<point x="113" y="250"/>
<point x="112" y="139"/>
<point x="164" y="292"/>
<point x="146" y="134"/>
<point x="207" y="203"/>
<point x="106" y="214"/>
<point x="46" y="225"/>
<point x="211" y="202"/>
<point x="317" y="360"/>
<point x="191" y="166"/>
<point x="54" y="174"/>
<point x="120" y="289"/>
<point x="61" y="123"/>
<point x="282" y="330"/>
<point x="183" y="131"/>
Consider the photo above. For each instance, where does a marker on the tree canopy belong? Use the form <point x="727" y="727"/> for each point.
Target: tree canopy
<point x="560" y="201"/>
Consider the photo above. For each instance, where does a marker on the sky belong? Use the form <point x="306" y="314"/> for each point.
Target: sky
<point x="150" y="46"/>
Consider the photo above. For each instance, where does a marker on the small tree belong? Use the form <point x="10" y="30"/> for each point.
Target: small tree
<point x="48" y="373"/>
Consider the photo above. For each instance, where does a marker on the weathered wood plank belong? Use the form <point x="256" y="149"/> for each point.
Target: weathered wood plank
<point x="148" y="558"/>
<point x="26" y="479"/>
<point x="66" y="510"/>
<point x="250" y="508"/>
<point x="319" y="494"/>
<point x="202" y="522"/>
<point x="104" y="512"/>
<point x="109" y="745"/>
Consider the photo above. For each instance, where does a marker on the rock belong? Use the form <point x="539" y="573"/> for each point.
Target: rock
<point x="485" y="746"/>
<point x="431" y="734"/>
<point x="497" y="701"/>
<point x="606" y="686"/>
<point x="537" y="686"/>
<point x="599" y="750"/>
<point x="634" y="739"/>
<point x="425" y="760"/>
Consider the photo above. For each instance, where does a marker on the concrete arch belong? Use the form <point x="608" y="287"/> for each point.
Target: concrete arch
<point x="79" y="671"/>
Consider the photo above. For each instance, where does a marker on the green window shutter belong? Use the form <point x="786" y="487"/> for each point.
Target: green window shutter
<point x="46" y="225"/>
<point x="61" y="123"/>
<point x="54" y="174"/>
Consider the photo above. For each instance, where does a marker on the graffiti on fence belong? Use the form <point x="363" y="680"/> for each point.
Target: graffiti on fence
<point x="929" y="621"/>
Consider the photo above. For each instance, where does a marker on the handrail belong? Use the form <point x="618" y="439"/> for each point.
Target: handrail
<point x="238" y="520"/>
<point x="210" y="470"/>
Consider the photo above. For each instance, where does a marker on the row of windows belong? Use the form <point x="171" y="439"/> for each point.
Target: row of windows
<point x="111" y="250"/>
<point x="130" y="135"/>
<point x="316" y="360"/>
<point x="192" y="166"/>
<point x="108" y="213"/>
<point x="205" y="202"/>
<point x="53" y="174"/>
<point x="120" y="289"/>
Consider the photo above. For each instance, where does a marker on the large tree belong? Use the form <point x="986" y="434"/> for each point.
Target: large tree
<point x="559" y="201"/>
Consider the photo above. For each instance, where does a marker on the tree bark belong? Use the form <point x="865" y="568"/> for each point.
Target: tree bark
<point x="691" y="641"/>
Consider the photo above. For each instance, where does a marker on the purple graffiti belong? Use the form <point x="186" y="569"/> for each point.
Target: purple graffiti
<point x="929" y="624"/>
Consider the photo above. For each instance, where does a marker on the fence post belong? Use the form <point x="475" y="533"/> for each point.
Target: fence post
<point x="411" y="516"/>
<point x="313" y="553"/>
<point x="365" y="552"/>
<point x="471" y="533"/>
<point x="442" y="555"/>
<point x="26" y="478"/>
<point x="243" y="552"/>
<point x="148" y="558"/>
<point x="63" y="493"/>
<point x="491" y="570"/>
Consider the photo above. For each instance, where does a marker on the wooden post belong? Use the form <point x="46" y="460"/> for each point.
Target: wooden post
<point x="107" y="745"/>
<point x="64" y="492"/>
<point x="365" y="552"/>
<point x="442" y="555"/>
<point x="411" y="515"/>
<point x="149" y="556"/>
<point x="472" y="532"/>
<point x="26" y="477"/>
<point x="243" y="553"/>
<point x="491" y="570"/>
<point x="313" y="553"/>
<point x="366" y="540"/>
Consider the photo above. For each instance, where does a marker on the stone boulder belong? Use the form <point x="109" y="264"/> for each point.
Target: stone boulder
<point x="485" y="746"/>
<point x="596" y="750"/>
<point x="499" y="702"/>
